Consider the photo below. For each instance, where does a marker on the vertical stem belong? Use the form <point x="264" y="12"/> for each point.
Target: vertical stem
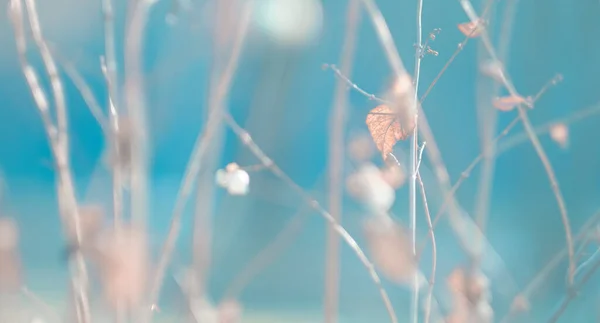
<point x="136" y="107"/>
<point x="111" y="79"/>
<point x="204" y="203"/>
<point x="337" y="121"/>
<point x="414" y="146"/>
<point x="487" y="89"/>
<point x="59" y="142"/>
<point x="201" y="146"/>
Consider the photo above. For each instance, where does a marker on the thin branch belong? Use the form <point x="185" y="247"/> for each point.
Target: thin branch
<point x="468" y="8"/>
<point x="247" y="140"/>
<point x="518" y="139"/>
<point x="337" y="121"/>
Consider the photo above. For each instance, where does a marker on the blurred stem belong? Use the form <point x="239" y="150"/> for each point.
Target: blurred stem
<point x="135" y="102"/>
<point x="205" y="194"/>
<point x="414" y="146"/>
<point x="487" y="89"/>
<point x="110" y="66"/>
<point x="337" y="121"/>
<point x="200" y="149"/>
<point x="59" y="142"/>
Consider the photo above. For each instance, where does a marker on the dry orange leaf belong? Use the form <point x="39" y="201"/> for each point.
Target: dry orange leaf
<point x="471" y="29"/>
<point x="508" y="103"/>
<point x="385" y="129"/>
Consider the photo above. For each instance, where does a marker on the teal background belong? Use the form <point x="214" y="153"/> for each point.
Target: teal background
<point x="284" y="98"/>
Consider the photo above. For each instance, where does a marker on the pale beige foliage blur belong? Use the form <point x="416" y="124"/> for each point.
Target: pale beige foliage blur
<point x="508" y="103"/>
<point x="470" y="297"/>
<point x="122" y="258"/>
<point x="10" y="265"/>
<point x="493" y="69"/>
<point x="91" y="221"/>
<point x="390" y="247"/>
<point x="471" y="29"/>
<point x="394" y="175"/>
<point x="560" y="134"/>
<point x="360" y="148"/>
<point x="229" y="311"/>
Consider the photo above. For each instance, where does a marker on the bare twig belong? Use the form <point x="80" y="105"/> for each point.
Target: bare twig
<point x="518" y="139"/>
<point x="247" y="140"/>
<point x="459" y="49"/>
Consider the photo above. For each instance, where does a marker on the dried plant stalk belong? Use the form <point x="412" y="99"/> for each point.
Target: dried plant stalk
<point x="58" y="137"/>
<point x="336" y="165"/>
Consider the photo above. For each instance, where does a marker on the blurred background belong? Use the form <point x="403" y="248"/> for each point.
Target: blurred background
<point x="283" y="97"/>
